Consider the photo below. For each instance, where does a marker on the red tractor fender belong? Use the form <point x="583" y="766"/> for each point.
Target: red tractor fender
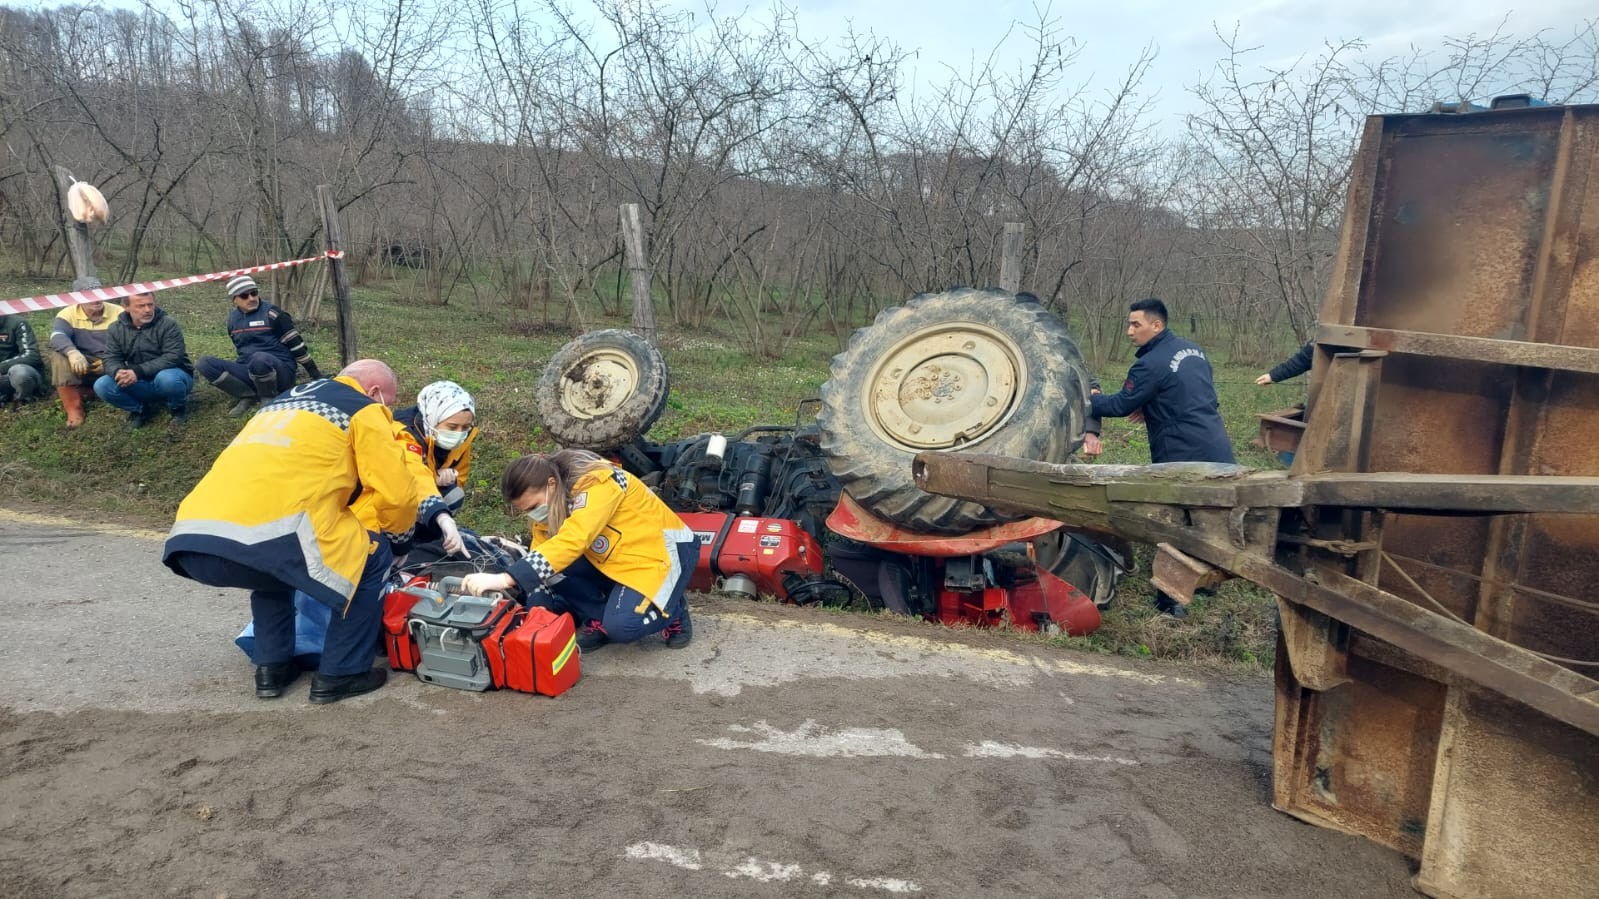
<point x="850" y="519"/>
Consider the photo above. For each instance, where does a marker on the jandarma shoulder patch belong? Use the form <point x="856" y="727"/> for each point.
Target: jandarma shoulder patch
<point x="1185" y="354"/>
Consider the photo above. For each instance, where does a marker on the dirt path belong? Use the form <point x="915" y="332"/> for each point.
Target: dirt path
<point x="787" y="752"/>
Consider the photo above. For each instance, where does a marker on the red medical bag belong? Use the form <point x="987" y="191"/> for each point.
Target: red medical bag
<point x="538" y="654"/>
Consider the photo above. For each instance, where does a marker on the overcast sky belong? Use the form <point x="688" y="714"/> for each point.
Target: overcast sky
<point x="1111" y="34"/>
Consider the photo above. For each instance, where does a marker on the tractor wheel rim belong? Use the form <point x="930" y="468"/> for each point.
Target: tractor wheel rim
<point x="945" y="387"/>
<point x="599" y="383"/>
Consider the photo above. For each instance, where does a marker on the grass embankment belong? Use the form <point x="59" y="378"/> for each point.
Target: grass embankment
<point x="103" y="471"/>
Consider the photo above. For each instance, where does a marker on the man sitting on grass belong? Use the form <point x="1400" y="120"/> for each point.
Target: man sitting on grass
<point x="146" y="364"/>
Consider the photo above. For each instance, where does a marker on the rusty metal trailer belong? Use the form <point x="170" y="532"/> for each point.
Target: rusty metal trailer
<point x="1434" y="546"/>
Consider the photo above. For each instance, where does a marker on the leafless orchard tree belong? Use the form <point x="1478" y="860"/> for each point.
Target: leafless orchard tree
<point x="481" y="150"/>
<point x="1275" y="146"/>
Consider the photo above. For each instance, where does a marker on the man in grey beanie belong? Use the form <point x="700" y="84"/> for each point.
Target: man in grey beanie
<point x="268" y="345"/>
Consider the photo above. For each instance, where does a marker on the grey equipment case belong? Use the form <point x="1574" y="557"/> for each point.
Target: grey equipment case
<point x="450" y="630"/>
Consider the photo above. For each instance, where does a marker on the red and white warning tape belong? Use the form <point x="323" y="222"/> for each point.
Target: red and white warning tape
<point x="73" y="298"/>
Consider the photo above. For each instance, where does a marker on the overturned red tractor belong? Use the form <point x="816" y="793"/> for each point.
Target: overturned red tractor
<point x="825" y="510"/>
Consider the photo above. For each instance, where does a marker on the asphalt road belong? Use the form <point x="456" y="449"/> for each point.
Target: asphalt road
<point x="785" y="752"/>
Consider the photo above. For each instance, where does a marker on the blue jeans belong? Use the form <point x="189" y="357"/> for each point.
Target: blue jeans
<point x="170" y="385"/>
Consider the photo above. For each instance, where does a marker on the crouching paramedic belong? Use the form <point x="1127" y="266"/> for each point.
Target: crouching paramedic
<point x="443" y="421"/>
<point x="433" y="519"/>
<point x="273" y="516"/>
<point x="604" y="548"/>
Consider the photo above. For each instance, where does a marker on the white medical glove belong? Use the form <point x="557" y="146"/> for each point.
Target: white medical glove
<point x="453" y="544"/>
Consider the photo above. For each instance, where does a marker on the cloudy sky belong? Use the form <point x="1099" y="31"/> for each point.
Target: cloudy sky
<point x="1111" y="34"/>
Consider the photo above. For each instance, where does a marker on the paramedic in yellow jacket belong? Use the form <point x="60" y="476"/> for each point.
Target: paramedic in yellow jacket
<point x="444" y="424"/>
<point x="433" y="518"/>
<point x="273" y="516"/>
<point x="604" y="548"/>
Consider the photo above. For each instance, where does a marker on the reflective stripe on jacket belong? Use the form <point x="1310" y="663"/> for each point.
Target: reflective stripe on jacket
<point x="278" y="497"/>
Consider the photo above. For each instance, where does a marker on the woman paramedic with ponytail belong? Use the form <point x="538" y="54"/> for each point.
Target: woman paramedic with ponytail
<point x="605" y="548"/>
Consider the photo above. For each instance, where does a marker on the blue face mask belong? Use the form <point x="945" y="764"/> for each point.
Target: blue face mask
<point x="448" y="440"/>
<point x="539" y="513"/>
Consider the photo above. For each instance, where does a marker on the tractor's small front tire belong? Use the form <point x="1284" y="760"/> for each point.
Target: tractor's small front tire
<point x="602" y="389"/>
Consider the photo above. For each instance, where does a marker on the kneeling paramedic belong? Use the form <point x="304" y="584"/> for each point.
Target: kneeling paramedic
<point x="604" y="548"/>
<point x="273" y="516"/>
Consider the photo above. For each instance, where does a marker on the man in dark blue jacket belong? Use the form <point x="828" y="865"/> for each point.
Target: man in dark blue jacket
<point x="1292" y="367"/>
<point x="268" y="345"/>
<point x="1170" y="388"/>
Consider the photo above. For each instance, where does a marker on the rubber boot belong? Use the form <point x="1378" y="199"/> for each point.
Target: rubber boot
<point x="72" y="401"/>
<point x="266" y="386"/>
<point x="244" y="393"/>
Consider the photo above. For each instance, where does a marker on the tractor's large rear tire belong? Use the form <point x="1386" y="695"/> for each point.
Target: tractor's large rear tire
<point x="602" y="389"/>
<point x="969" y="370"/>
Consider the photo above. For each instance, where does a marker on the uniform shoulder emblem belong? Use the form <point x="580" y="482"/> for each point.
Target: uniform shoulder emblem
<point x="601" y="545"/>
<point x="272" y="314"/>
<point x="580" y="501"/>
<point x="413" y="448"/>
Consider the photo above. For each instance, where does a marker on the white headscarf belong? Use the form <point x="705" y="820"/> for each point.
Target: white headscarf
<point x="439" y="401"/>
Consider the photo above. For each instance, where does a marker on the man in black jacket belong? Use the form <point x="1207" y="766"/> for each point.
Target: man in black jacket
<point x="20" y="379"/>
<point x="1170" y="389"/>
<point x="1292" y="367"/>
<point x="146" y="363"/>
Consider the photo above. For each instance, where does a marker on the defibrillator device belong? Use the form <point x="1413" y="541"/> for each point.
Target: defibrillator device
<point x="478" y="643"/>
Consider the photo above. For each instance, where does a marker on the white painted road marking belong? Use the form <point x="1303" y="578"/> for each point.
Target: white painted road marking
<point x="688" y="859"/>
<point x="765" y="871"/>
<point x="989" y="749"/>
<point x="814" y="740"/>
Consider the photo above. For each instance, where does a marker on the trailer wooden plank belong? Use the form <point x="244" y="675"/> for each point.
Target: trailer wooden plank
<point x="1453" y="346"/>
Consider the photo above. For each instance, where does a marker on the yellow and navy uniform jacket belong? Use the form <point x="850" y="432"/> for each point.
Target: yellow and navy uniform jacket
<point x="619" y="525"/>
<point x="72" y="328"/>
<point x="369" y="505"/>
<point x="278" y="497"/>
<point x="459" y="458"/>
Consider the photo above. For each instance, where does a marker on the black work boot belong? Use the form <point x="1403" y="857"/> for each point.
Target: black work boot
<point x="271" y="680"/>
<point x="679" y="631"/>
<point x="244" y="393"/>
<point x="266" y="386"/>
<point x="332" y="688"/>
<point x="139" y="419"/>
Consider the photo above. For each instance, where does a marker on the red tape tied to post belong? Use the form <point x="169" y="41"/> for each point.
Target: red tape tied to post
<point x="98" y="294"/>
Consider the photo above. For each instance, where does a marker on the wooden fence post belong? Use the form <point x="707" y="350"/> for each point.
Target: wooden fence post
<point x="341" y="283"/>
<point x="638" y="267"/>
<point x="79" y="244"/>
<point x="1010" y="260"/>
